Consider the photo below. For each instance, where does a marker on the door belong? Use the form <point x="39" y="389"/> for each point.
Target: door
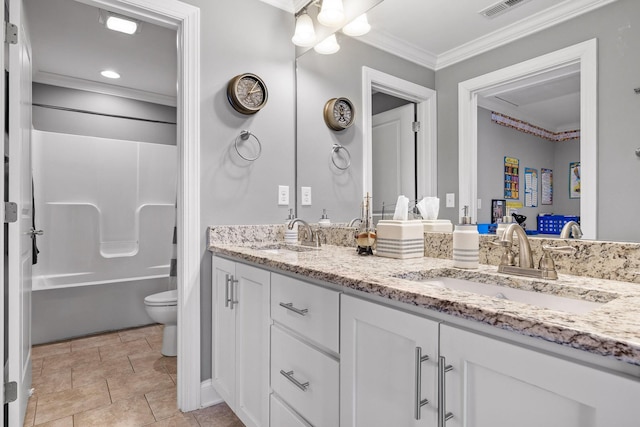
<point x="388" y="366"/>
<point x="393" y="158"/>
<point x="493" y="383"/>
<point x="252" y="292"/>
<point x="20" y="232"/>
<point x="224" y="331"/>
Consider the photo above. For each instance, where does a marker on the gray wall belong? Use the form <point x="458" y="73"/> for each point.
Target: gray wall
<point x="323" y="77"/>
<point x="237" y="37"/>
<point x="53" y="120"/>
<point x="496" y="141"/>
<point x="65" y="313"/>
<point x="618" y="33"/>
<point x="381" y="102"/>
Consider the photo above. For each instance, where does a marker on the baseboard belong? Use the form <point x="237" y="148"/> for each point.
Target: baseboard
<point x="208" y="394"/>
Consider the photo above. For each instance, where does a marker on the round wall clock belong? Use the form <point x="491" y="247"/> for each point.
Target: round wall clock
<point x="339" y="113"/>
<point x="247" y="93"/>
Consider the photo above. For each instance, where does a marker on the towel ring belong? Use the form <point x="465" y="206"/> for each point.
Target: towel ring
<point x="244" y="135"/>
<point x="336" y="148"/>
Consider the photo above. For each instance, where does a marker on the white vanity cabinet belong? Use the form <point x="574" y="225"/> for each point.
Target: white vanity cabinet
<point x="305" y="370"/>
<point x="492" y="383"/>
<point x="240" y="353"/>
<point x="388" y="366"/>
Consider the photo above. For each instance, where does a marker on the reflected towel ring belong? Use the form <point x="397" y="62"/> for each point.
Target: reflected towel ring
<point x="244" y="135"/>
<point x="337" y="147"/>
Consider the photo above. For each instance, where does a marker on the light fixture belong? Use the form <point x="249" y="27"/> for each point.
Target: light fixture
<point x="110" y="74"/>
<point x="331" y="13"/>
<point x="358" y="27"/>
<point x="117" y="22"/>
<point x="327" y="46"/>
<point x="305" y="34"/>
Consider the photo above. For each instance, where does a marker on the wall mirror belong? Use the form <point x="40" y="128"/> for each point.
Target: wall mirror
<point x="613" y="25"/>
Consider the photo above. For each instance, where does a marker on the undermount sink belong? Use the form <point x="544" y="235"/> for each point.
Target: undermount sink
<point x="281" y="247"/>
<point x="538" y="299"/>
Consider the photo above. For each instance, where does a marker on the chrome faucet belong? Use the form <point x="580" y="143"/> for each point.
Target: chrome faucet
<point x="353" y="222"/>
<point x="307" y="238"/>
<point x="571" y="229"/>
<point x="546" y="268"/>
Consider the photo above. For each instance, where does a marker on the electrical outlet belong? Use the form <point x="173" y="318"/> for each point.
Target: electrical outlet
<point x="283" y="195"/>
<point x="306" y="196"/>
<point x="451" y="200"/>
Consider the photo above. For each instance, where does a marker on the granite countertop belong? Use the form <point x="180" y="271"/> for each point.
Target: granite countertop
<point x="611" y="330"/>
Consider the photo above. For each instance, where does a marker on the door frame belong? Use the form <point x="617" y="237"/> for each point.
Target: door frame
<point x="586" y="55"/>
<point x="427" y="138"/>
<point x="185" y="19"/>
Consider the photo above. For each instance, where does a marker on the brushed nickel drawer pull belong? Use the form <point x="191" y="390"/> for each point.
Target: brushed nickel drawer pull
<point x="420" y="402"/>
<point x="289" y="375"/>
<point x="443" y="415"/>
<point x="289" y="306"/>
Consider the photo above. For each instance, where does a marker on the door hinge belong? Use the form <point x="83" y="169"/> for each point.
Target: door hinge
<point x="10" y="392"/>
<point x="10" y="212"/>
<point x="10" y="33"/>
<point x="415" y="126"/>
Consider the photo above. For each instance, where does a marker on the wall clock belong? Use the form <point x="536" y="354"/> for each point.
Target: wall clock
<point x="339" y="113"/>
<point x="247" y="93"/>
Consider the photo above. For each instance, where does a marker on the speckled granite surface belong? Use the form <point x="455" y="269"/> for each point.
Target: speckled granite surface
<point x="611" y="330"/>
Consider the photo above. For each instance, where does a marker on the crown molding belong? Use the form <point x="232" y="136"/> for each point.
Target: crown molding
<point x="399" y="48"/>
<point x="287" y="5"/>
<point x="525" y="27"/>
<point x="93" y="86"/>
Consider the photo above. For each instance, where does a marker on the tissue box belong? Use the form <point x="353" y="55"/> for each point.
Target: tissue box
<point x="400" y="239"/>
<point x="437" y="225"/>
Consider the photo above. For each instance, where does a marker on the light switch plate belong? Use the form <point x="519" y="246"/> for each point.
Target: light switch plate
<point x="283" y="195"/>
<point x="479" y="206"/>
<point x="451" y="200"/>
<point x="305" y="200"/>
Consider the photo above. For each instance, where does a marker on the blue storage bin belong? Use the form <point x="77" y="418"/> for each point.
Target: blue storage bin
<point x="552" y="224"/>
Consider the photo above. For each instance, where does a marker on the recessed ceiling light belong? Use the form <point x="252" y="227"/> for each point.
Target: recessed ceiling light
<point x="110" y="74"/>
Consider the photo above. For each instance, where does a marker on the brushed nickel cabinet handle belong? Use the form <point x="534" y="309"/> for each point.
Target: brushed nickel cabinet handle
<point x="443" y="415"/>
<point x="289" y="306"/>
<point x="289" y="375"/>
<point x="420" y="402"/>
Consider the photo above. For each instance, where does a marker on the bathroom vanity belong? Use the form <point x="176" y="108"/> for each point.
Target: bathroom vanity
<point x="324" y="337"/>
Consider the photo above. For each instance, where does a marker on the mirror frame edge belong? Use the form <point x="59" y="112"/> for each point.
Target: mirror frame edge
<point x="426" y="101"/>
<point x="584" y="53"/>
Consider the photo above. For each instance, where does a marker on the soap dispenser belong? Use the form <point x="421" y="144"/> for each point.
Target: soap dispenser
<point x="466" y="243"/>
<point x="290" y="236"/>
<point x="324" y="220"/>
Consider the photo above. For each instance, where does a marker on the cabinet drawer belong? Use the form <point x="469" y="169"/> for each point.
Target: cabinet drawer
<point x="281" y="416"/>
<point x="289" y="300"/>
<point x="305" y="378"/>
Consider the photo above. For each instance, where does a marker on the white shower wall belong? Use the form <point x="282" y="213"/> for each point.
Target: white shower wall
<point x="107" y="208"/>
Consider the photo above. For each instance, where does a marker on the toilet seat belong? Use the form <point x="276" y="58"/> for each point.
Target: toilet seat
<point x="162" y="299"/>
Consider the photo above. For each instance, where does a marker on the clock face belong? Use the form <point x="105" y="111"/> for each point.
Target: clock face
<point x="339" y="113"/>
<point x="247" y="93"/>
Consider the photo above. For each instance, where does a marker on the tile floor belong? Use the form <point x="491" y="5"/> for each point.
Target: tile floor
<point x="113" y="379"/>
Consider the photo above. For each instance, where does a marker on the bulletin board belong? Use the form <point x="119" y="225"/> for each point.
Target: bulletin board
<point x="511" y="178"/>
<point x="530" y="187"/>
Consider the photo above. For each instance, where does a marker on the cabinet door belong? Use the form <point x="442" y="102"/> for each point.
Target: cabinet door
<point x="224" y="331"/>
<point x="252" y="345"/>
<point x="379" y="366"/>
<point x="497" y="384"/>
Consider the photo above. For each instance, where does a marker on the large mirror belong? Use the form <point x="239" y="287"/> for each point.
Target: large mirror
<point x="617" y="127"/>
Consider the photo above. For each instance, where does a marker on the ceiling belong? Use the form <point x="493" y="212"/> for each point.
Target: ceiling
<point x="70" y="48"/>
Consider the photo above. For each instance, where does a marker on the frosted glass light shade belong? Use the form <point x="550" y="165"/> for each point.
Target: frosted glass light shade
<point x="331" y="13"/>
<point x="305" y="34"/>
<point x="358" y="27"/>
<point x="110" y="74"/>
<point x="327" y="46"/>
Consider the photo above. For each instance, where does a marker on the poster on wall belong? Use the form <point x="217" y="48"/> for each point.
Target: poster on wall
<point x="574" y="180"/>
<point x="497" y="210"/>
<point x="546" y="177"/>
<point x="511" y="178"/>
<point x="530" y="187"/>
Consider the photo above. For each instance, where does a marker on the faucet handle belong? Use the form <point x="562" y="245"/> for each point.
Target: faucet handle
<point x="546" y="262"/>
<point x="508" y="257"/>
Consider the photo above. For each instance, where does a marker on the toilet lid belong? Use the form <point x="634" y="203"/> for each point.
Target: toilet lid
<point x="162" y="298"/>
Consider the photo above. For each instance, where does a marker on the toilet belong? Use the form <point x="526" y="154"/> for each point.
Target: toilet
<point x="163" y="308"/>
